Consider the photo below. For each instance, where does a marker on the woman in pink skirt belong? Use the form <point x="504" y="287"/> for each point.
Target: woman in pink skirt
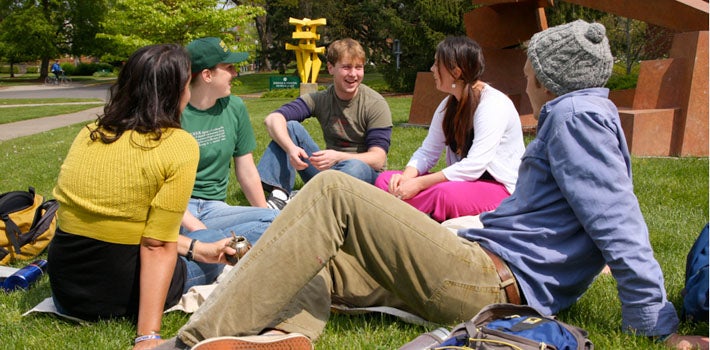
<point x="480" y="130"/>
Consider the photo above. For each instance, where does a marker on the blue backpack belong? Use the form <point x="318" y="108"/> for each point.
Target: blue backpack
<point x="695" y="293"/>
<point x="508" y="326"/>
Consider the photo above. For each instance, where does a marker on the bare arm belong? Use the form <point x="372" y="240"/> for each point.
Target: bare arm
<point x="397" y="180"/>
<point x="410" y="187"/>
<point x="191" y="223"/>
<point x="206" y="252"/>
<point x="375" y="157"/>
<point x="158" y="260"/>
<point x="276" y="127"/>
<point x="249" y="180"/>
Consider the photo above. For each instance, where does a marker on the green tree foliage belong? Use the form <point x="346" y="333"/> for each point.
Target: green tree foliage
<point x="32" y="30"/>
<point x="262" y="29"/>
<point x="130" y="24"/>
<point x="630" y="40"/>
<point x="564" y="12"/>
<point x="46" y="29"/>
<point x="85" y="17"/>
<point x="275" y="31"/>
<point x="419" y="25"/>
<point x="26" y="34"/>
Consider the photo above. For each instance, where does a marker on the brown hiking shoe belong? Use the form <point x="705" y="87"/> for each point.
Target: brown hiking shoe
<point x="291" y="341"/>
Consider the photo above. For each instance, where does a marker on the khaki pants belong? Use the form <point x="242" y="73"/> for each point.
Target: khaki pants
<point x="345" y="241"/>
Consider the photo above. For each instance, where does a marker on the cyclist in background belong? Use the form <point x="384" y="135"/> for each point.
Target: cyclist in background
<point x="56" y="69"/>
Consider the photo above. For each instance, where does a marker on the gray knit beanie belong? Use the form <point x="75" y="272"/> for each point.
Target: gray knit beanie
<point x="571" y="57"/>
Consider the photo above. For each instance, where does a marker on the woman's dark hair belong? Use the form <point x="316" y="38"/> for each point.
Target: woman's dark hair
<point x="464" y="53"/>
<point x="146" y="96"/>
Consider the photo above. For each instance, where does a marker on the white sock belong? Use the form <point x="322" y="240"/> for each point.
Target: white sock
<point x="280" y="194"/>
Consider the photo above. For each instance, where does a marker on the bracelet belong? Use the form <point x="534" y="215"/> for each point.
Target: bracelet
<point x="188" y="256"/>
<point x="150" y="336"/>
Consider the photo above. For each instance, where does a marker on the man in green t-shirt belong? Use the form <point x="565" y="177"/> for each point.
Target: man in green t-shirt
<point x="356" y="123"/>
<point x="220" y="123"/>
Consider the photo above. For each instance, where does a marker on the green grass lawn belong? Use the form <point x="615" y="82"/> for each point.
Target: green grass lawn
<point x="34" y="101"/>
<point x="33" y="79"/>
<point x="15" y="114"/>
<point x="673" y="193"/>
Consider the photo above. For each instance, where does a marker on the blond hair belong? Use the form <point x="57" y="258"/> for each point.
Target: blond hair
<point x="344" y="48"/>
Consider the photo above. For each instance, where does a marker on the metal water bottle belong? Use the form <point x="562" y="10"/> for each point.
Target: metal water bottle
<point x="25" y="276"/>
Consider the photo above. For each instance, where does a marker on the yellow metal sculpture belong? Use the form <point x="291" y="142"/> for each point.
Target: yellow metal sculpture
<point x="306" y="51"/>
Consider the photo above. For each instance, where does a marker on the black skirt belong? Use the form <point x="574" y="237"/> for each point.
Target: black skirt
<point x="93" y="279"/>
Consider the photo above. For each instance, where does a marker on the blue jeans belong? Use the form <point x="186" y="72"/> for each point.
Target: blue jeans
<point x="220" y="219"/>
<point x="249" y="222"/>
<point x="275" y="169"/>
<point x="203" y="273"/>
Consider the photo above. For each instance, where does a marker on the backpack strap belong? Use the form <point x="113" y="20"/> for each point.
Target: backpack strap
<point x="11" y="202"/>
<point x="42" y="221"/>
<point x="3" y="253"/>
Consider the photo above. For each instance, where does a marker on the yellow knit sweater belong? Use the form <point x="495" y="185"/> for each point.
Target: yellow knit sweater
<point x="132" y="188"/>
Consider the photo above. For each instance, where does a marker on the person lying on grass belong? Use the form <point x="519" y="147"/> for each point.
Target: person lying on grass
<point x="573" y="212"/>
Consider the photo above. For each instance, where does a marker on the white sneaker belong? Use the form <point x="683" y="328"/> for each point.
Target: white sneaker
<point x="277" y="199"/>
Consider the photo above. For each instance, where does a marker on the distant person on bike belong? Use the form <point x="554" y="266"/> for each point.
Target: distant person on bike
<point x="57" y="69"/>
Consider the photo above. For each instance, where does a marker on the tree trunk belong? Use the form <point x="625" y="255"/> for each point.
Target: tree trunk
<point x="305" y="7"/>
<point x="44" y="68"/>
<point x="265" y="40"/>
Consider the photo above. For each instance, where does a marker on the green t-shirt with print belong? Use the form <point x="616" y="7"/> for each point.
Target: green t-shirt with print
<point x="223" y="131"/>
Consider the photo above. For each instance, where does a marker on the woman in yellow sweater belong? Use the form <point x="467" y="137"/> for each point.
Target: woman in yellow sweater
<point x="123" y="189"/>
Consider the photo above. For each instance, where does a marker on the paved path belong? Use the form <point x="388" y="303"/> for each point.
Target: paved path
<point x="54" y="104"/>
<point x="34" y="126"/>
<point x="38" y="125"/>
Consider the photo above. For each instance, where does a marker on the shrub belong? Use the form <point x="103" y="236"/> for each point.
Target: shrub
<point x="68" y="68"/>
<point x="104" y="73"/>
<point x="287" y="93"/>
<point x="6" y="69"/>
<point x="281" y="93"/>
<point x="401" y="80"/>
<point x="620" y="80"/>
<point x="88" y="69"/>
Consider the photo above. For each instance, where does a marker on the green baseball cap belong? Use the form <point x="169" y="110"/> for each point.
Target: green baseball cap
<point x="206" y="53"/>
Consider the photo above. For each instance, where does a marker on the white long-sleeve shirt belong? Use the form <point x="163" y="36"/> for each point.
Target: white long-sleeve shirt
<point x="497" y="144"/>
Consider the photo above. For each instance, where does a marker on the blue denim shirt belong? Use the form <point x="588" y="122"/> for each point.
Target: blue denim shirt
<point x="573" y="211"/>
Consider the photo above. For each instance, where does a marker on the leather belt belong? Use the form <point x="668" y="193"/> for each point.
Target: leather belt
<point x="506" y="278"/>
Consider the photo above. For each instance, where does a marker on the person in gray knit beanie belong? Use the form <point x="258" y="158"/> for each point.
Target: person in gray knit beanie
<point x="572" y="213"/>
<point x="571" y="57"/>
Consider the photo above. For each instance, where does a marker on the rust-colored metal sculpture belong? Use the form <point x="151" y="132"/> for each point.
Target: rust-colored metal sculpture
<point x="667" y="114"/>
